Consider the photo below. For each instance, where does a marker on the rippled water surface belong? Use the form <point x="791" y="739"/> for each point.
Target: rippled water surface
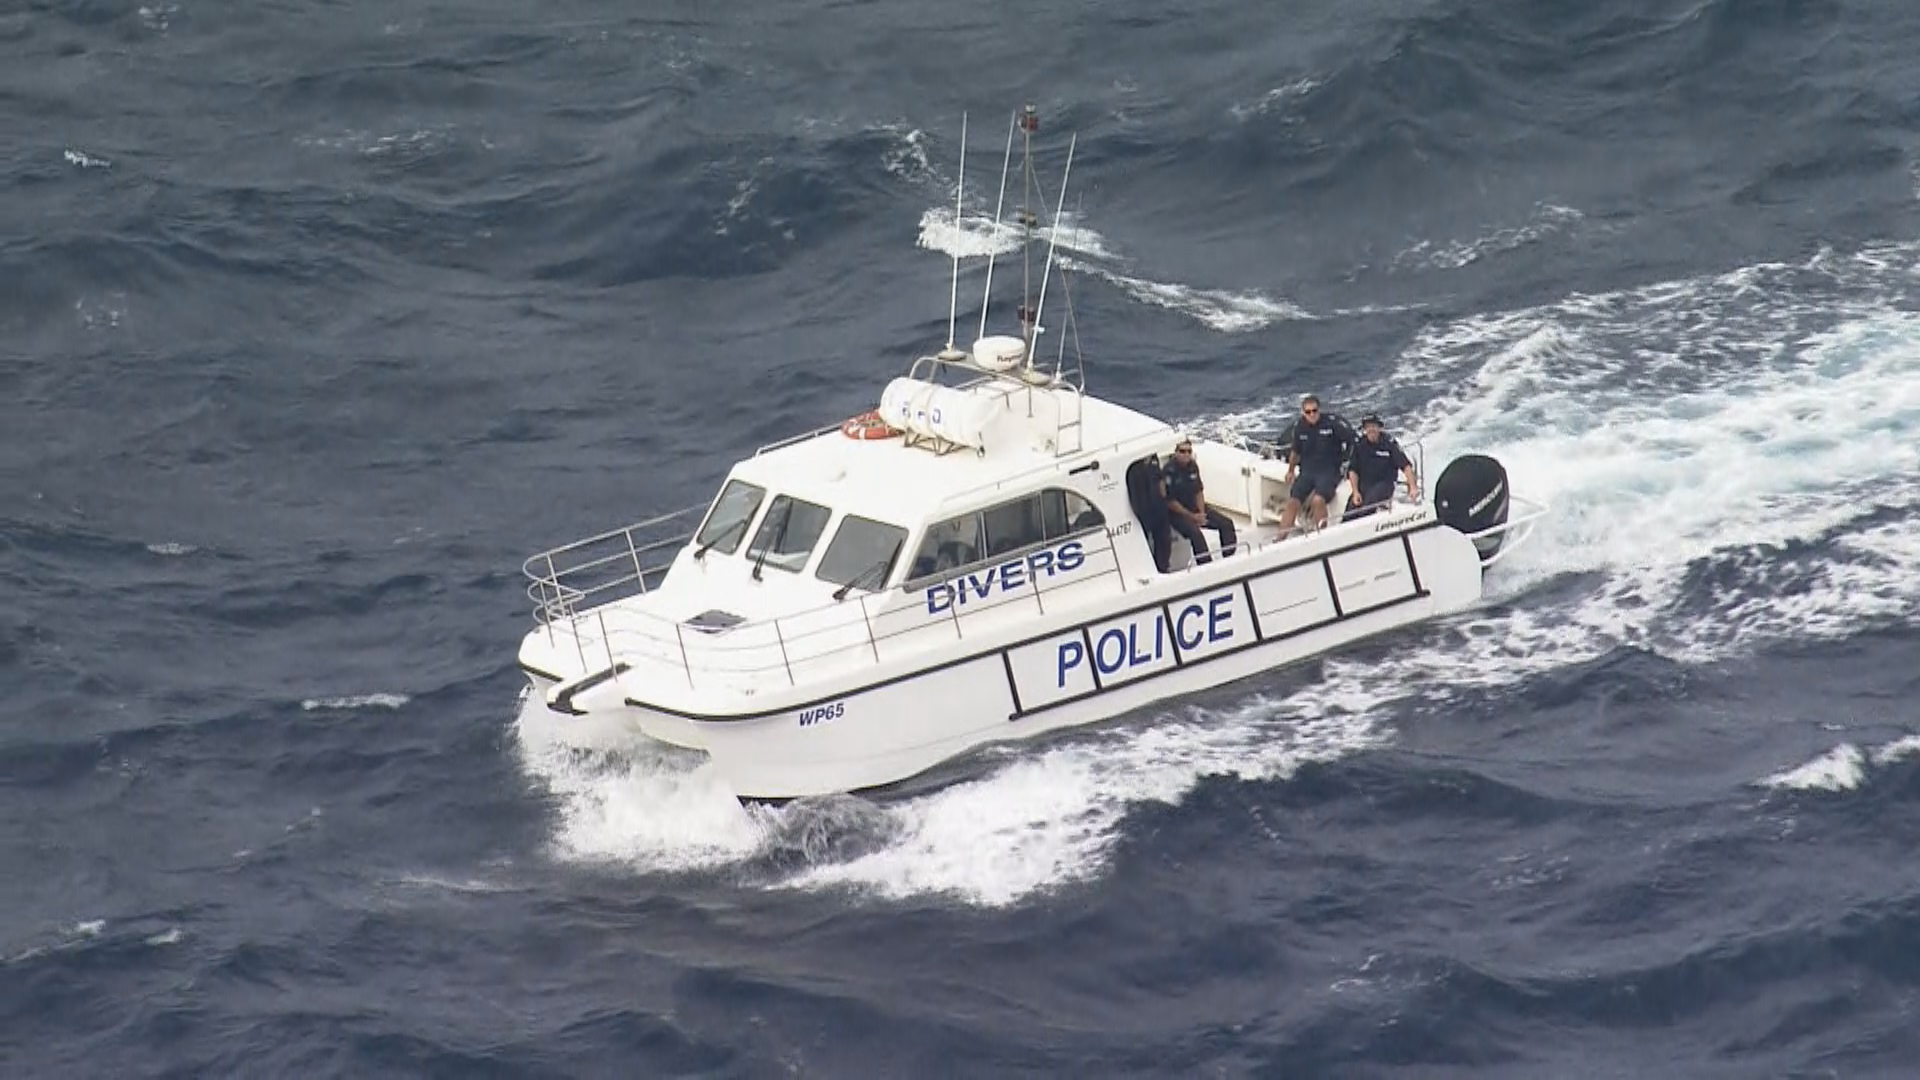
<point x="316" y="319"/>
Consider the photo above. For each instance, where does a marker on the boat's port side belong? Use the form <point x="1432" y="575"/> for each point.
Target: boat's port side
<point x="872" y="732"/>
<point x="1258" y="602"/>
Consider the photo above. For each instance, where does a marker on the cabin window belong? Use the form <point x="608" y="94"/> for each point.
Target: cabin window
<point x="949" y="545"/>
<point x="863" y="551"/>
<point x="1029" y="521"/>
<point x="1044" y="516"/>
<point x="1013" y="525"/>
<point x="727" y="522"/>
<point x="1067" y="512"/>
<point x="787" y="534"/>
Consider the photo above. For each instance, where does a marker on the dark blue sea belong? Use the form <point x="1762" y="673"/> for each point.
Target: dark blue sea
<point x="317" y="318"/>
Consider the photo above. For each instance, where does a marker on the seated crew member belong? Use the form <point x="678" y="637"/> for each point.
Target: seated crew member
<point x="1319" y="442"/>
<point x="1188" y="509"/>
<point x="1147" y="491"/>
<point x="1376" y="457"/>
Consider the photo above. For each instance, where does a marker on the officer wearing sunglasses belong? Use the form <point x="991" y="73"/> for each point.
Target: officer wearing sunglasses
<point x="1321" y="441"/>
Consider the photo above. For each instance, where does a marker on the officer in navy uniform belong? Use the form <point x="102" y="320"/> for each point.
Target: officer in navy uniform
<point x="1317" y="445"/>
<point x="1187" y="505"/>
<point x="1376" y="458"/>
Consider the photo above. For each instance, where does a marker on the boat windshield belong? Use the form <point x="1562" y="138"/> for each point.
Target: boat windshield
<point x="862" y="553"/>
<point x="787" y="534"/>
<point x="727" y="521"/>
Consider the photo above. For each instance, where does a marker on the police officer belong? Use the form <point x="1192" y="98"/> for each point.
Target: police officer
<point x="1318" y="444"/>
<point x="1376" y="457"/>
<point x="1187" y="505"/>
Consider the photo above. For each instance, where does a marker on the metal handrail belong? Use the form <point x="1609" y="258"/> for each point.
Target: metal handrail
<point x="803" y="637"/>
<point x="1064" y="461"/>
<point x="865" y="628"/>
<point x="1530" y="514"/>
<point x="911" y="369"/>
<point x="867" y="642"/>
<point x="800" y="438"/>
<point x="562" y="578"/>
<point x="660" y="519"/>
<point x="1273" y="451"/>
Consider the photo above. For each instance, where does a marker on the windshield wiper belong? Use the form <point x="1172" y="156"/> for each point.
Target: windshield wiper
<point x="779" y="534"/>
<point x="880" y="568"/>
<point x="701" y="551"/>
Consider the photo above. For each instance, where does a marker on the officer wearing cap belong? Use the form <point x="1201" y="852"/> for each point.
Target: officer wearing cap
<point x="1370" y="474"/>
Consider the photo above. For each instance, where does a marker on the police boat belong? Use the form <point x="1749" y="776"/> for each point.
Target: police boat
<point x="972" y="563"/>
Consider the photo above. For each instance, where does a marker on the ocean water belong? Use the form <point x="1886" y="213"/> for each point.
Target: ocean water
<point x="316" y="319"/>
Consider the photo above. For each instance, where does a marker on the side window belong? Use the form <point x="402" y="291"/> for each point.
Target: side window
<point x="949" y="544"/>
<point x="727" y="522"/>
<point x="1053" y="513"/>
<point x="1081" y="514"/>
<point x="1013" y="525"/>
<point x="1066" y="512"/>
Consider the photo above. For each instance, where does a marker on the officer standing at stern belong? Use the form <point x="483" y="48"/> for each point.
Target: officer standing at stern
<point x="1318" y="444"/>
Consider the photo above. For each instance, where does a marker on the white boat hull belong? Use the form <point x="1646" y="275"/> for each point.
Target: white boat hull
<point x="1182" y="633"/>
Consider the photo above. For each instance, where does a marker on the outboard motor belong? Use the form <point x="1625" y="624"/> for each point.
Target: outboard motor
<point x="1471" y="497"/>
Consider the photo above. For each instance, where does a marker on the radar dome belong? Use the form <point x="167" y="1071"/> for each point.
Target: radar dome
<point x="999" y="352"/>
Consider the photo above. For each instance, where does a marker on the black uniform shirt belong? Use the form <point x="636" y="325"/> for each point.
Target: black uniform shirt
<point x="1183" y="483"/>
<point x="1377" y="461"/>
<point x="1322" y="445"/>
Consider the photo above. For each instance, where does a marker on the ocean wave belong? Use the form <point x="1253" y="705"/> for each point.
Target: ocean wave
<point x="1845" y="767"/>
<point x="1546" y="220"/>
<point x="1229" y="311"/>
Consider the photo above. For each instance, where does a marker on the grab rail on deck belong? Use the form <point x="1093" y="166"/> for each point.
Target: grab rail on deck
<point x="610" y="565"/>
<point x="863" y="625"/>
<point x="1415" y="450"/>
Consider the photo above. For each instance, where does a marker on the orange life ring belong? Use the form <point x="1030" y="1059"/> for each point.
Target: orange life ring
<point x="868" y="425"/>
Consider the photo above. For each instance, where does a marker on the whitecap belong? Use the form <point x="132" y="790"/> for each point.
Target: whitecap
<point x="361" y="701"/>
<point x="1839" y="769"/>
<point x="1546" y="220"/>
<point x="1898" y="750"/>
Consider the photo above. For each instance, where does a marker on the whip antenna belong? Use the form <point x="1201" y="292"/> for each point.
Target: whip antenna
<point x="987" y="294"/>
<point x="1053" y="242"/>
<point x="959" y="193"/>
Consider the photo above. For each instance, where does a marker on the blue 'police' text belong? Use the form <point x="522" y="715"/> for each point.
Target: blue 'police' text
<point x="1200" y="622"/>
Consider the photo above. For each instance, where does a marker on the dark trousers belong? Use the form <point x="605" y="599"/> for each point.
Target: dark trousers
<point x="1374" y="497"/>
<point x="1215" y="521"/>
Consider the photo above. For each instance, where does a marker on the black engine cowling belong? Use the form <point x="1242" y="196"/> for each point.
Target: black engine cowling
<point x="1472" y="498"/>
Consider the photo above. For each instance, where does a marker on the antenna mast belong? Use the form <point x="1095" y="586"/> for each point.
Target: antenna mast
<point x="959" y="193"/>
<point x="1029" y="123"/>
<point x="1052" y="243"/>
<point x="986" y="295"/>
